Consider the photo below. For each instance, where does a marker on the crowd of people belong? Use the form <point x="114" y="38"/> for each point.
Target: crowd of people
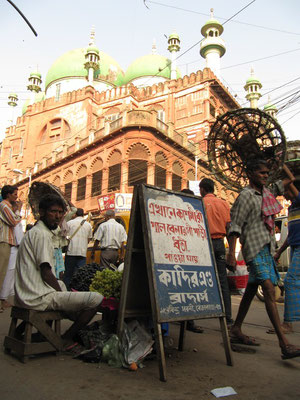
<point x="32" y="266"/>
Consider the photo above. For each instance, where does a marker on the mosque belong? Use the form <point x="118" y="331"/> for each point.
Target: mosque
<point x="97" y="130"/>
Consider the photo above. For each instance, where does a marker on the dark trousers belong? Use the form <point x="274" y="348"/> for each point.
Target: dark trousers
<point x="72" y="263"/>
<point x="219" y="251"/>
<point x="108" y="256"/>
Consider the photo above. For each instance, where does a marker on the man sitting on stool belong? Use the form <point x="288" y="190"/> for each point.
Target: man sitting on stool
<point x="36" y="286"/>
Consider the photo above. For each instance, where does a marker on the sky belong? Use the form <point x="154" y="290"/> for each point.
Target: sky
<point x="259" y="34"/>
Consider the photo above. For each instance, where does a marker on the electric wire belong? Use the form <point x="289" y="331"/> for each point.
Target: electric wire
<point x="222" y="18"/>
<point x="197" y="43"/>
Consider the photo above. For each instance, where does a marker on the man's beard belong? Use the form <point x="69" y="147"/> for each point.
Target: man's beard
<point x="52" y="226"/>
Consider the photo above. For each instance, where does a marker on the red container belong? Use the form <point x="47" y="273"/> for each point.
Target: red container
<point x="110" y="303"/>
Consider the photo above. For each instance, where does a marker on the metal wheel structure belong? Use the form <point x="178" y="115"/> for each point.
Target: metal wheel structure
<point x="40" y="189"/>
<point x="239" y="136"/>
<point x="293" y="157"/>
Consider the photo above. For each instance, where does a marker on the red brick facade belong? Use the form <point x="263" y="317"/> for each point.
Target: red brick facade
<point x="90" y="143"/>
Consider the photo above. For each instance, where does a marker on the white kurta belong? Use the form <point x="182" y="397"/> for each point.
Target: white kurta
<point x="9" y="281"/>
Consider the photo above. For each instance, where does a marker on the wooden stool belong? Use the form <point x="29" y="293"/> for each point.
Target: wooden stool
<point x="21" y="344"/>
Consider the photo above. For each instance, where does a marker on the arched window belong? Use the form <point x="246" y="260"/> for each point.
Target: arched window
<point x="191" y="175"/>
<point x="160" y="111"/>
<point x="223" y="194"/>
<point x="160" y="169"/>
<point x="176" y="176"/>
<point x="81" y="183"/>
<point x="56" y="181"/>
<point x="97" y="178"/>
<point x="112" y="114"/>
<point x="137" y="165"/>
<point x="57" y="128"/>
<point x="68" y="185"/>
<point x="114" y="171"/>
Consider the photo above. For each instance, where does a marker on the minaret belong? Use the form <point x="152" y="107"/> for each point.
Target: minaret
<point x="35" y="81"/>
<point x="12" y="102"/>
<point x="212" y="48"/>
<point x="174" y="47"/>
<point x="92" y="58"/>
<point x="270" y="108"/>
<point x="252" y="88"/>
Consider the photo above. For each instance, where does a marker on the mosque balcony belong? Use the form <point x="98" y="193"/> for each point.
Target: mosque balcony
<point x="116" y="124"/>
<point x="71" y="149"/>
<point x="173" y="47"/>
<point x="212" y="44"/>
<point x="84" y="142"/>
<point x="34" y="88"/>
<point x="59" y="155"/>
<point x="91" y="64"/>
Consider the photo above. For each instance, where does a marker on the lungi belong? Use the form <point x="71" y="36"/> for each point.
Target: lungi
<point x="263" y="267"/>
<point x="292" y="287"/>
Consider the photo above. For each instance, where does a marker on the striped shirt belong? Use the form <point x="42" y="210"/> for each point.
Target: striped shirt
<point x="111" y="234"/>
<point x="8" y="220"/>
<point x="36" y="248"/>
<point x="79" y="242"/>
<point x="248" y="224"/>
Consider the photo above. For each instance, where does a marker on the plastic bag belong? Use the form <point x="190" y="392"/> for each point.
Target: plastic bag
<point x="136" y="342"/>
<point x="112" y="353"/>
<point x="239" y="278"/>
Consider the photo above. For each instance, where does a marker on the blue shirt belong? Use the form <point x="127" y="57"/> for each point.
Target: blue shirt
<point x="294" y="222"/>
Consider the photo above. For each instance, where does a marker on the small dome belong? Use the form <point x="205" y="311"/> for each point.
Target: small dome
<point x="212" y="23"/>
<point x="35" y="75"/>
<point x="269" y="107"/>
<point x="174" y="35"/>
<point x="71" y="64"/>
<point x="37" y="98"/>
<point x="252" y="81"/>
<point x="149" y="65"/>
<point x="92" y="49"/>
<point x="13" y="95"/>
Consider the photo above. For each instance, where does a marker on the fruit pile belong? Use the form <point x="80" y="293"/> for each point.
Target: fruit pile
<point x="108" y="283"/>
<point x="82" y="278"/>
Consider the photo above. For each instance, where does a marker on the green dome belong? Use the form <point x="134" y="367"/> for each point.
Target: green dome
<point x="270" y="106"/>
<point x="13" y="95"/>
<point x="37" y="98"/>
<point x="174" y="35"/>
<point x="71" y="64"/>
<point x="35" y="74"/>
<point x="92" y="49"/>
<point x="149" y="65"/>
<point x="252" y="81"/>
<point x="212" y="23"/>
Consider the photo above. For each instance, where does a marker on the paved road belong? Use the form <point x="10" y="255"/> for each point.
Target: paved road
<point x="192" y="374"/>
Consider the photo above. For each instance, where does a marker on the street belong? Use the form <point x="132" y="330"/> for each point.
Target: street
<point x="257" y="374"/>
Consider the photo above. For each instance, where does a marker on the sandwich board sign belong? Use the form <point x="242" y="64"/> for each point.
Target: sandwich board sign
<point x="170" y="273"/>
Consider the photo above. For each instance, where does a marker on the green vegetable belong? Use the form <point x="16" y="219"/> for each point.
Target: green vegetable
<point x="108" y="283"/>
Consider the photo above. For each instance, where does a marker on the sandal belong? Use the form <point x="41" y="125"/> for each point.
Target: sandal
<point x="246" y="340"/>
<point x="289" y="351"/>
<point x="192" y="327"/>
<point x="195" y="329"/>
<point x="285" y="330"/>
<point x="72" y="349"/>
